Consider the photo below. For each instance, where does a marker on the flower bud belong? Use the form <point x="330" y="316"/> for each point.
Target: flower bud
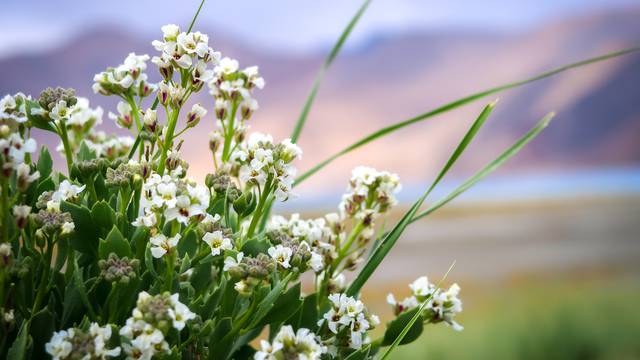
<point x="150" y="119"/>
<point x="245" y="204"/>
<point x="194" y="116"/>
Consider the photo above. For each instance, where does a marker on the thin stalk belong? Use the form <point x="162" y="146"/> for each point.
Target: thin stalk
<point x="5" y="209"/>
<point x="228" y="136"/>
<point x="67" y="148"/>
<point x="261" y="204"/>
<point x="168" y="140"/>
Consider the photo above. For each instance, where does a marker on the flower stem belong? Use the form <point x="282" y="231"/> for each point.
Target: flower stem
<point x="5" y="209"/>
<point x="67" y="148"/>
<point x="261" y="203"/>
<point x="228" y="136"/>
<point x="168" y="140"/>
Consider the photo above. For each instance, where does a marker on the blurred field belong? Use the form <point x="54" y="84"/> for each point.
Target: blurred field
<point x="545" y="279"/>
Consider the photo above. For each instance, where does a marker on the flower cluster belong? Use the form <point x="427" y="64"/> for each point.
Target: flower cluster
<point x="125" y="80"/>
<point x="171" y="198"/>
<point x="287" y="344"/>
<point x="370" y="193"/>
<point x="267" y="165"/>
<point x="248" y="271"/>
<point x="349" y="320"/>
<point x="13" y="108"/>
<point x="314" y="234"/>
<point x="150" y="322"/>
<point x="76" y="343"/>
<point x="441" y="305"/>
<point x="13" y="150"/>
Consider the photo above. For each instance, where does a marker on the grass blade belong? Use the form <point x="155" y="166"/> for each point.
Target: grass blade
<point x="390" y="239"/>
<point x="455" y="104"/>
<point x="492" y="166"/>
<point x="193" y="21"/>
<point x="415" y="318"/>
<point x="316" y="83"/>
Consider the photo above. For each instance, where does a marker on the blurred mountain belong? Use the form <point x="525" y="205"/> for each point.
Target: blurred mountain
<point x="395" y="77"/>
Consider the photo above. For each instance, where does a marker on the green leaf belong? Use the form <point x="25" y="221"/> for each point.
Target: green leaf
<point x="392" y="237"/>
<point x="268" y="302"/>
<point x="395" y="328"/>
<point x="254" y="247"/>
<point x="188" y="244"/>
<point x="325" y="66"/>
<point x="361" y="354"/>
<point x="410" y="325"/>
<point x="18" y="350"/>
<point x="42" y="327"/>
<point x="84" y="237"/>
<point x="492" y="166"/>
<point x="216" y="339"/>
<point x="45" y="163"/>
<point x="85" y="153"/>
<point x="286" y="305"/>
<point x="103" y="215"/>
<point x="38" y="121"/>
<point x="309" y="313"/>
<point x="455" y="104"/>
<point x="114" y="243"/>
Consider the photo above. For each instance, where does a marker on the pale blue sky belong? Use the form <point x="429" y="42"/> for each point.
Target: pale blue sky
<point x="290" y="25"/>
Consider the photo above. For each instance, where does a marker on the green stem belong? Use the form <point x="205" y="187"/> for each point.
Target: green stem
<point x="168" y="276"/>
<point x="228" y="136"/>
<point x="135" y="111"/>
<point x="67" y="148"/>
<point x="168" y="140"/>
<point x="261" y="203"/>
<point x="5" y="209"/>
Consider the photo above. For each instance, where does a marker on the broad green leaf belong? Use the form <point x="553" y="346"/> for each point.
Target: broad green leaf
<point x="492" y="166"/>
<point x="114" y="243"/>
<point x="254" y="247"/>
<point x="455" y="104"/>
<point x="396" y="326"/>
<point x="218" y="340"/>
<point x="327" y="63"/>
<point x="268" y="302"/>
<point x="85" y="153"/>
<point x="18" y="350"/>
<point x="309" y="313"/>
<point x="103" y="215"/>
<point x="188" y="244"/>
<point x="42" y="327"/>
<point x="38" y="121"/>
<point x="392" y="237"/>
<point x="45" y="163"/>
<point x="285" y="306"/>
<point x="84" y="237"/>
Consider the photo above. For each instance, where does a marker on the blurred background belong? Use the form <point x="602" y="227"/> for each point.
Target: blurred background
<point x="547" y="248"/>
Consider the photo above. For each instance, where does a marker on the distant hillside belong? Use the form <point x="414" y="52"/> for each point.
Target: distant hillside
<point x="394" y="78"/>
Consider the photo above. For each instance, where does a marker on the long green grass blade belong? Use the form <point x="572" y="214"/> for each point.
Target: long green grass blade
<point x="417" y="316"/>
<point x="392" y="237"/>
<point x="492" y="166"/>
<point x="455" y="104"/>
<point x="327" y="63"/>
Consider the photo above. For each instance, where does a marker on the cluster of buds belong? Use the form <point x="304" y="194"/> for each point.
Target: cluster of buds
<point x="370" y="194"/>
<point x="126" y="80"/>
<point x="260" y="162"/>
<point x="294" y="253"/>
<point x="442" y="306"/>
<point x="13" y="108"/>
<point x="319" y="235"/>
<point x="348" y="320"/>
<point x="172" y="198"/>
<point x="249" y="272"/>
<point x="232" y="89"/>
<point x="223" y="186"/>
<point x="124" y="174"/>
<point x="75" y="343"/>
<point x="288" y="344"/>
<point x="116" y="269"/>
<point x="151" y="320"/>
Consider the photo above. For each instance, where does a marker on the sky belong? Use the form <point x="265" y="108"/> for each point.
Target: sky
<point x="279" y="25"/>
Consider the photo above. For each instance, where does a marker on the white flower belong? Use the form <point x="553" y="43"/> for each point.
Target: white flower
<point x="5" y="250"/>
<point x="24" y="177"/>
<point x="66" y="190"/>
<point x="59" y="111"/>
<point x="180" y="313"/>
<point x="227" y="66"/>
<point x="59" y="346"/>
<point x="170" y="32"/>
<point x="281" y="254"/>
<point x="316" y="262"/>
<point x="197" y="112"/>
<point x="230" y="262"/>
<point x="124" y="118"/>
<point x="217" y="242"/>
<point x="183" y="210"/>
<point x="146" y="220"/>
<point x="162" y="244"/>
<point x="68" y="227"/>
<point x="422" y="287"/>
